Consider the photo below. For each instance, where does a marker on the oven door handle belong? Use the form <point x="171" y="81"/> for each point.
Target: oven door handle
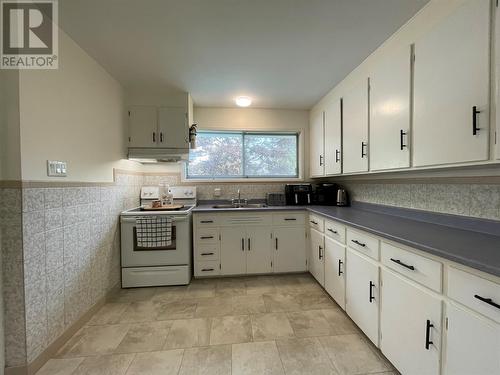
<point x="133" y="219"/>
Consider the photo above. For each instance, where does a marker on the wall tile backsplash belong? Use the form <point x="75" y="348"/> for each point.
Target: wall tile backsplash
<point x="481" y="201"/>
<point x="61" y="254"/>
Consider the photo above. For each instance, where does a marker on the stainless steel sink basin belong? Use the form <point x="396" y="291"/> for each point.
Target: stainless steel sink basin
<point x="243" y="205"/>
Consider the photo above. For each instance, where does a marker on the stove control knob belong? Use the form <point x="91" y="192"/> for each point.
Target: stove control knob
<point x="188" y="193"/>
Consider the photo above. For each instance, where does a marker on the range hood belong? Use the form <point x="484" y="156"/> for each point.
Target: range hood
<point x="158" y="155"/>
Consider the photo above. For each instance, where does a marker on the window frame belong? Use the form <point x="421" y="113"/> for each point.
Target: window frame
<point x="299" y="160"/>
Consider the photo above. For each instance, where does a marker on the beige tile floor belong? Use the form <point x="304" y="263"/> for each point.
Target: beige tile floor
<point x="254" y="325"/>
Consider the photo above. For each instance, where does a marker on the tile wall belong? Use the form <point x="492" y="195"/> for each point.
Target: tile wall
<point x="66" y="258"/>
<point x="475" y="200"/>
<point x="228" y="190"/>
<point x="13" y="275"/>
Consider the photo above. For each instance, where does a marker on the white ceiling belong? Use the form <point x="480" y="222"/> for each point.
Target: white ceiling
<point x="283" y="53"/>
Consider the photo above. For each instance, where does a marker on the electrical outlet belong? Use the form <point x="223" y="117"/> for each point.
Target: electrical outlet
<point x="56" y="168"/>
<point x="217" y="192"/>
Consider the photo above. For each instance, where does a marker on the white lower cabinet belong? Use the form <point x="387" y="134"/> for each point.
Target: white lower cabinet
<point x="472" y="344"/>
<point x="289" y="244"/>
<point x="362" y="293"/>
<point x="335" y="270"/>
<point x="245" y="249"/>
<point x="232" y="250"/>
<point x="316" y="256"/>
<point x="410" y="326"/>
<point x="259" y="250"/>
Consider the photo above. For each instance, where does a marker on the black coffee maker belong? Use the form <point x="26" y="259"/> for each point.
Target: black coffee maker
<point x="298" y="194"/>
<point x="325" y="194"/>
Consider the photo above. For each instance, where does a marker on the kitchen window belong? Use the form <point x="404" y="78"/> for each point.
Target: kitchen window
<point x="237" y="155"/>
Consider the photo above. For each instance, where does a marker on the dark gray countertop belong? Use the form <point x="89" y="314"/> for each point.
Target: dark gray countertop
<point x="445" y="236"/>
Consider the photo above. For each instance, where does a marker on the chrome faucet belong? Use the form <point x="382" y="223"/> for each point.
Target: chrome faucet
<point x="238" y="202"/>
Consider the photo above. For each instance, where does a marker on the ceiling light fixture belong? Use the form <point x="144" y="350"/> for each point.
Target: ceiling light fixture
<point x="243" y="101"/>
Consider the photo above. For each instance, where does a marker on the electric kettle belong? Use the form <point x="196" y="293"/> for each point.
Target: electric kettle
<point x="342" y="198"/>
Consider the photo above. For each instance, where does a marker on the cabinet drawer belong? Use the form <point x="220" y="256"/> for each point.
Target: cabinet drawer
<point x="474" y="292"/>
<point x="207" y="252"/>
<point x="207" y="268"/>
<point x="335" y="230"/>
<point x="418" y="268"/>
<point x="291" y="218"/>
<point x="206" y="220"/>
<point x="316" y="222"/>
<point x="363" y="242"/>
<point x="207" y="235"/>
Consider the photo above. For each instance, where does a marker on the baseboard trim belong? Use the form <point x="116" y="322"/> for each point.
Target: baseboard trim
<point x="58" y="343"/>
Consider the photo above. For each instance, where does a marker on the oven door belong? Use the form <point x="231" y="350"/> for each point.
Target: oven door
<point x="174" y="255"/>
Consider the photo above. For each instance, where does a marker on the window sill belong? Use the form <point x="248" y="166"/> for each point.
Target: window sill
<point x="241" y="180"/>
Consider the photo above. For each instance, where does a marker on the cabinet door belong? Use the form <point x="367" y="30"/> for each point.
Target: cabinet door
<point x="316" y="143"/>
<point x="259" y="250"/>
<point x="362" y="293"/>
<point x="451" y="79"/>
<point x="289" y="246"/>
<point x="333" y="137"/>
<point x="335" y="271"/>
<point x="355" y="128"/>
<point x="233" y="250"/>
<point x="390" y="111"/>
<point x="407" y="313"/>
<point x="143" y="121"/>
<point x="472" y="344"/>
<point x="172" y="126"/>
<point x="316" y="256"/>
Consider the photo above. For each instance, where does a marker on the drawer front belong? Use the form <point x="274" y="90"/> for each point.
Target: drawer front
<point x="289" y="218"/>
<point x="316" y="222"/>
<point x="207" y="268"/>
<point x="363" y="242"/>
<point x="335" y="231"/>
<point x="474" y="292"/>
<point x="246" y="218"/>
<point x="207" y="235"/>
<point x="207" y="252"/>
<point x="155" y="276"/>
<point x="206" y="220"/>
<point x="425" y="271"/>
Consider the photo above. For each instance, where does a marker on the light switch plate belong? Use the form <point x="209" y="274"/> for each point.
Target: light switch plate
<point x="56" y="168"/>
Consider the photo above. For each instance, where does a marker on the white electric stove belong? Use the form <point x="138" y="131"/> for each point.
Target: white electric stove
<point x="170" y="265"/>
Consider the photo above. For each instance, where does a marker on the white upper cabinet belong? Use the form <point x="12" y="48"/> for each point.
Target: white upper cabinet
<point x="333" y="137"/>
<point x="173" y="127"/>
<point x="316" y="152"/>
<point x="143" y="122"/>
<point x="355" y="128"/>
<point x="451" y="83"/>
<point x="390" y="111"/>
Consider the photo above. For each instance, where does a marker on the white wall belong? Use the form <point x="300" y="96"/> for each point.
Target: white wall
<point x="10" y="157"/>
<point x="248" y="119"/>
<point x="74" y="114"/>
